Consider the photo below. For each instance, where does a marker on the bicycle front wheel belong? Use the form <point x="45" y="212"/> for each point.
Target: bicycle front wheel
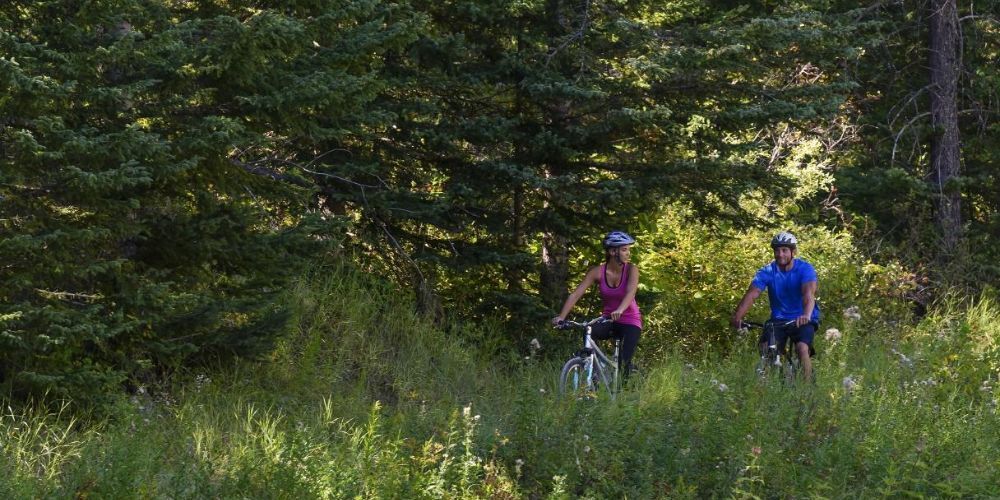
<point x="574" y="379"/>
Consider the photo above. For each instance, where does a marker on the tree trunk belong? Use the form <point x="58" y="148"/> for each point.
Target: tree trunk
<point x="515" y="274"/>
<point x="555" y="269"/>
<point x="945" y="154"/>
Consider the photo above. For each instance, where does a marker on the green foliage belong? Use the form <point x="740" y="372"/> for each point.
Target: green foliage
<point x="889" y="415"/>
<point x="885" y="177"/>
<point x="520" y="132"/>
<point x="693" y="276"/>
<point x="143" y="225"/>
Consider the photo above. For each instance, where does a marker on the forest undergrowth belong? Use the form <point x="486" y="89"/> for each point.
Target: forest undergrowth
<point x="365" y="398"/>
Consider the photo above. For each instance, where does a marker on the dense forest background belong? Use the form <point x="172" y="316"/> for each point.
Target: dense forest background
<point x="169" y="168"/>
<point x="311" y="248"/>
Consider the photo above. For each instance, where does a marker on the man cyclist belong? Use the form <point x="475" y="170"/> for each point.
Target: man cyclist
<point x="791" y="288"/>
<point x="618" y="282"/>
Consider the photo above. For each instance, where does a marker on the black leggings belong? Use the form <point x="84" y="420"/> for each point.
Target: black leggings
<point x="629" y="335"/>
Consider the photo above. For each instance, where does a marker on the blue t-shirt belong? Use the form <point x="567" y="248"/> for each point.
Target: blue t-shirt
<point x="784" y="288"/>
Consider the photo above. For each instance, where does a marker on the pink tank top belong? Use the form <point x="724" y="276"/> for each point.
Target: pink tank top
<point x="612" y="297"/>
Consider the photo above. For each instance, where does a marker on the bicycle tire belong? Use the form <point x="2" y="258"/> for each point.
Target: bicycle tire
<point x="767" y="365"/>
<point x="573" y="379"/>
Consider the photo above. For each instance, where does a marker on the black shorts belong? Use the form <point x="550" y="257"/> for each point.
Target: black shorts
<point x="784" y="333"/>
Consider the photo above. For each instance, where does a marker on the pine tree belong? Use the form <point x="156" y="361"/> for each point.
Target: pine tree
<point x="523" y="132"/>
<point x="152" y="211"/>
<point x="940" y="220"/>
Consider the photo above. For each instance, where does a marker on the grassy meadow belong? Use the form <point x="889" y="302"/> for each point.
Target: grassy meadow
<point x="366" y="399"/>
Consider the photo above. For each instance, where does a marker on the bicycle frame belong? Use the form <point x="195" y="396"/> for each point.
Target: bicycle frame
<point x="770" y="355"/>
<point x="597" y="354"/>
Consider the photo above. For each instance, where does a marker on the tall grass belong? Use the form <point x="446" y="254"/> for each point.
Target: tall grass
<point x="367" y="399"/>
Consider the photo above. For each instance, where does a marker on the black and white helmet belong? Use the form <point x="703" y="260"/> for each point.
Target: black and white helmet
<point x="616" y="239"/>
<point x="784" y="239"/>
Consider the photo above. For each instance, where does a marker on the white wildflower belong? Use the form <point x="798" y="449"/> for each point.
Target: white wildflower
<point x="535" y="345"/>
<point x="723" y="387"/>
<point x="715" y="382"/>
<point x="519" y="462"/>
<point x="586" y="437"/>
<point x="903" y="358"/>
<point x="586" y="449"/>
<point x="849" y="383"/>
<point x="832" y="335"/>
<point x="467" y="411"/>
<point x="852" y="313"/>
<point x="541" y="390"/>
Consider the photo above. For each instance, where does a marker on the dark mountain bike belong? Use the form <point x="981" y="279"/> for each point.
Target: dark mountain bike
<point x="775" y="360"/>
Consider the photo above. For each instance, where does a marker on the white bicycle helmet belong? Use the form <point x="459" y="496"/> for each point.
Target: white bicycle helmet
<point x="784" y="239"/>
<point x="616" y="239"/>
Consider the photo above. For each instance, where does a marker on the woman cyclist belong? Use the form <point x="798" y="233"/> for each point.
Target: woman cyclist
<point x="618" y="280"/>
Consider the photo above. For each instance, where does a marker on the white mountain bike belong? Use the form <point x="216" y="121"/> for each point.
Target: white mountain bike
<point x="590" y="371"/>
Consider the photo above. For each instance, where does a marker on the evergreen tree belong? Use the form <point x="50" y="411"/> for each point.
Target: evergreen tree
<point x="149" y="214"/>
<point x="522" y="132"/>
<point x="892" y="179"/>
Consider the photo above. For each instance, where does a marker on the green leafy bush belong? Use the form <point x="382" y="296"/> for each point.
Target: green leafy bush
<point x="695" y="276"/>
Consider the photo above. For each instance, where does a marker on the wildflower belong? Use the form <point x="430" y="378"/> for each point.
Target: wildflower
<point x="715" y="382"/>
<point x="586" y="437"/>
<point x="852" y="313"/>
<point x="467" y="411"/>
<point x="535" y="345"/>
<point x="903" y="358"/>
<point x="756" y="451"/>
<point x="519" y="462"/>
<point x="723" y="387"/>
<point x="586" y="449"/>
<point x="541" y="390"/>
<point x="849" y="383"/>
<point x="832" y="335"/>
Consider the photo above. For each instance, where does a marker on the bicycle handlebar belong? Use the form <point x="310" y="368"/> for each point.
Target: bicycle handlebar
<point x="567" y="324"/>
<point x="754" y="324"/>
